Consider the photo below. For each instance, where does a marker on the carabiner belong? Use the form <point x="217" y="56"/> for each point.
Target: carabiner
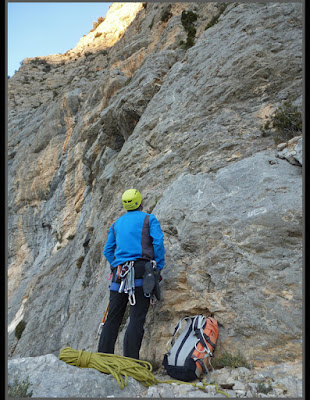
<point x="121" y="288"/>
<point x="132" y="299"/>
<point x="123" y="274"/>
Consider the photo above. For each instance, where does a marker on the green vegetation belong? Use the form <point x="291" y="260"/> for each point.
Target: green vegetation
<point x="20" y="329"/>
<point x="284" y="124"/>
<point x="39" y="61"/>
<point x="188" y="18"/>
<point x="215" y="18"/>
<point x="229" y="360"/>
<point x="166" y="14"/>
<point x="103" y="52"/>
<point x="47" y="68"/>
<point x="79" y="262"/>
<point x="262" y="388"/>
<point x="19" y="389"/>
<point x="85" y="284"/>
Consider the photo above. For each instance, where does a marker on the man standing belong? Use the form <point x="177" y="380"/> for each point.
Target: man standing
<point x="135" y="246"/>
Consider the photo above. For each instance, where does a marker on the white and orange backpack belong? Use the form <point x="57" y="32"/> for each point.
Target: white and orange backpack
<point x="190" y="354"/>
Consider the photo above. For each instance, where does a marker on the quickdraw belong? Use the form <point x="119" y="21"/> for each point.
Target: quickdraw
<point x="127" y="275"/>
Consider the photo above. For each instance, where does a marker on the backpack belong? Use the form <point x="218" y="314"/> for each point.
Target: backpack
<point x="189" y="356"/>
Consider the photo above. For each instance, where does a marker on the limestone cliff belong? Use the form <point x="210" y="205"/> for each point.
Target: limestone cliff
<point x="141" y="103"/>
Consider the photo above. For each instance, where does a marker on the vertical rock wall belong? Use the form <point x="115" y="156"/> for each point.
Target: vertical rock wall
<point x="183" y="126"/>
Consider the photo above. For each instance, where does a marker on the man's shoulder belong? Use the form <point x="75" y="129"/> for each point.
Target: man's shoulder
<point x="143" y="215"/>
<point x="151" y="216"/>
<point x="135" y="214"/>
<point x="118" y="219"/>
<point x="132" y="214"/>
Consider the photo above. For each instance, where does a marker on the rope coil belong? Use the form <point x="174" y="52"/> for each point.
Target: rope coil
<point x="121" y="368"/>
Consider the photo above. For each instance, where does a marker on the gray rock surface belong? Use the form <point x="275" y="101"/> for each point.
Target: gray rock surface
<point x="52" y="378"/>
<point x="226" y="222"/>
<point x="183" y="126"/>
<point x="291" y="151"/>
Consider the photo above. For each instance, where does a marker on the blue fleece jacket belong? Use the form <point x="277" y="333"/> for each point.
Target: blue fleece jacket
<point x="134" y="235"/>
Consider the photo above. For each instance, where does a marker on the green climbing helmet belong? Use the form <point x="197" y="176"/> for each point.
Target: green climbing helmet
<point x="131" y="199"/>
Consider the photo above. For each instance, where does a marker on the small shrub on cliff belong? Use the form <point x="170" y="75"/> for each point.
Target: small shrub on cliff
<point x="103" y="52"/>
<point x="89" y="55"/>
<point x="229" y="360"/>
<point x="188" y="18"/>
<point x="216" y="17"/>
<point x="47" y="68"/>
<point x="97" y="23"/>
<point x="262" y="388"/>
<point x="79" y="261"/>
<point x="19" y="389"/>
<point x="20" y="329"/>
<point x="166" y="14"/>
<point x="284" y="124"/>
<point x="70" y="237"/>
<point x="39" y="61"/>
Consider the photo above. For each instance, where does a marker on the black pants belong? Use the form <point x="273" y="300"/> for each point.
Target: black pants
<point x="135" y="331"/>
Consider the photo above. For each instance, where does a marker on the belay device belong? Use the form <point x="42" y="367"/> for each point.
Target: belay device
<point x="189" y="356"/>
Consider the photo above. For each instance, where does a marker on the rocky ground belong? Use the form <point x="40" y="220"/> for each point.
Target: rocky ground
<point x="50" y="377"/>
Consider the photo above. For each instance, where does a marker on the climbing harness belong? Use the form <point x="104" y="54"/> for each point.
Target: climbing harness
<point x="150" y="281"/>
<point x="127" y="276"/>
<point x="128" y="283"/>
<point x="121" y="368"/>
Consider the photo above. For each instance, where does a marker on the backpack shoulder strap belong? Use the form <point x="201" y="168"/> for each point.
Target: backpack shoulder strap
<point x="176" y="329"/>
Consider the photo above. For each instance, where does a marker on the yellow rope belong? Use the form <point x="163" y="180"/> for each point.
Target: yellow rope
<point x="121" y="367"/>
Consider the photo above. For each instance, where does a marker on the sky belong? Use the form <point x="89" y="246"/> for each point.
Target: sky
<point x="42" y="28"/>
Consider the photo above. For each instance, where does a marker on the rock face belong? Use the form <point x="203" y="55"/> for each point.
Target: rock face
<point x="139" y="109"/>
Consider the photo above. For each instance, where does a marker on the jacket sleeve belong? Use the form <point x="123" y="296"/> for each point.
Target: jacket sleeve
<point x="110" y="246"/>
<point x="158" y="242"/>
